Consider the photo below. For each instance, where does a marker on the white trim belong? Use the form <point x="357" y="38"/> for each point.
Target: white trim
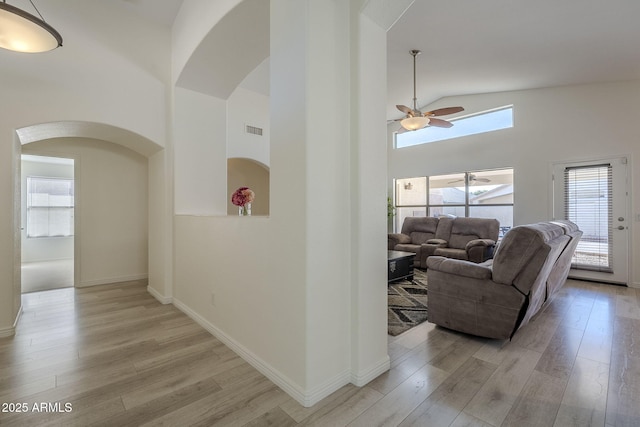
<point x="626" y="160"/>
<point x="111" y="280"/>
<point x="11" y="331"/>
<point x="157" y="295"/>
<point x="332" y="385"/>
<point x="364" y="377"/>
<point x="306" y="398"/>
<point x="7" y="332"/>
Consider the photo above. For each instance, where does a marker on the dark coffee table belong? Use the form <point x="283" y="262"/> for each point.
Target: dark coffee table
<point x="399" y="265"/>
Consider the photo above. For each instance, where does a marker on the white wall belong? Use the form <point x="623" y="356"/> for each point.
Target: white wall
<point x="246" y="107"/>
<point x="280" y="290"/>
<point x="98" y="76"/>
<point x="51" y="248"/>
<point x="111" y="208"/>
<point x="570" y="123"/>
<point x="200" y="154"/>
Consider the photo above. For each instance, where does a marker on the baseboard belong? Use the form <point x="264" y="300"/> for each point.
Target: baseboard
<point x="318" y="393"/>
<point x="30" y="261"/>
<point x="368" y="375"/>
<point x="111" y="280"/>
<point x="157" y="295"/>
<point x="305" y="398"/>
<point x="11" y="331"/>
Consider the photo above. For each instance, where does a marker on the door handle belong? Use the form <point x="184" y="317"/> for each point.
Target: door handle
<point x="621" y="227"/>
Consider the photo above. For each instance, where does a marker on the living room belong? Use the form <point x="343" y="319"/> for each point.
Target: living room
<point x="287" y="273"/>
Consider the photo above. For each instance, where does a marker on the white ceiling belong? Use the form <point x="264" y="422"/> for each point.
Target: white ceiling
<point x="484" y="46"/>
<point x="161" y="12"/>
<point x="471" y="47"/>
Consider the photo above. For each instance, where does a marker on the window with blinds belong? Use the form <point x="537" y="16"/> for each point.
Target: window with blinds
<point x="50" y="204"/>
<point x="588" y="203"/>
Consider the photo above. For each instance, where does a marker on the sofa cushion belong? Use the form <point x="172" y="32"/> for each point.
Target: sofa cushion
<point x="467" y="269"/>
<point x="444" y="228"/>
<point x="464" y="230"/>
<point x="418" y="237"/>
<point x="451" y="253"/>
<point x="420" y="224"/>
<point x="408" y="247"/>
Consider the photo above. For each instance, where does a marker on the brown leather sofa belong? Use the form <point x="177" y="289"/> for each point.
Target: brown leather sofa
<point x="495" y="298"/>
<point x="471" y="239"/>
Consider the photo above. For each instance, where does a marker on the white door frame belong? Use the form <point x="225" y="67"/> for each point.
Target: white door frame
<point x="621" y="208"/>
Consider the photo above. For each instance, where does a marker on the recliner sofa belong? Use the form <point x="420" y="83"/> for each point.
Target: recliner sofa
<point x="471" y="239"/>
<point x="495" y="298"/>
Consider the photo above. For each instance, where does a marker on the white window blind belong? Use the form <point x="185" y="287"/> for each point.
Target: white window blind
<point x="588" y="203"/>
<point x="50" y="204"/>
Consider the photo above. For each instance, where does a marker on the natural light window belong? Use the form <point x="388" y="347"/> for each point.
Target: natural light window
<point x="50" y="204"/>
<point x="487" y="121"/>
<point x="479" y="194"/>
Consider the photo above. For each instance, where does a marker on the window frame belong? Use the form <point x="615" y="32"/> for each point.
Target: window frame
<point x="32" y="207"/>
<point x="467" y="206"/>
<point x="451" y="132"/>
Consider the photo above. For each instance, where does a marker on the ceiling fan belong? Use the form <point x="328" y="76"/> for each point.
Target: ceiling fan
<point x="416" y="119"/>
<point x="472" y="180"/>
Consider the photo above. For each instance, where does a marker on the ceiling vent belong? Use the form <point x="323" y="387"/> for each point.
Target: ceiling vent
<point x="253" y="130"/>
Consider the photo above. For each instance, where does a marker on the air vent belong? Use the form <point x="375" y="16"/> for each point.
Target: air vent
<point x="253" y="130"/>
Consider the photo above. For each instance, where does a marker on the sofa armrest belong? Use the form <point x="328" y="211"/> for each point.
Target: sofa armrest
<point x="459" y="267"/>
<point x="441" y="243"/>
<point x="397" y="238"/>
<point x="479" y="242"/>
<point x="480" y="250"/>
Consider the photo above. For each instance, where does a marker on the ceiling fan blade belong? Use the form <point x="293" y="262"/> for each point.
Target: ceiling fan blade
<point x="405" y="109"/>
<point x="439" y="123"/>
<point x="444" y="111"/>
<point x="483" y="179"/>
<point x="457" y="180"/>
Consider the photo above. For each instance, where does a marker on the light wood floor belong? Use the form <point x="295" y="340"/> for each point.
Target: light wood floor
<point x="120" y="358"/>
<point x="47" y="275"/>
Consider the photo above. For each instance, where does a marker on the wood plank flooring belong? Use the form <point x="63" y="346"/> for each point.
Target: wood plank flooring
<point x="119" y="358"/>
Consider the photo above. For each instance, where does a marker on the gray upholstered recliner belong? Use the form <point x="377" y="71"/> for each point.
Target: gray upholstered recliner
<point x="471" y="239"/>
<point x="495" y="298"/>
<point x="416" y="231"/>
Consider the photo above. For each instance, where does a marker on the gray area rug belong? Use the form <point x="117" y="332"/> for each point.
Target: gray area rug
<point x="407" y="303"/>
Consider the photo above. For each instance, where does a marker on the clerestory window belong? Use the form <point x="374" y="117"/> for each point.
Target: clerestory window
<point x="486" y="121"/>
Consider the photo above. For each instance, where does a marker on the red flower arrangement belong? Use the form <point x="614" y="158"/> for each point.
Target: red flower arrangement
<point x="242" y="196"/>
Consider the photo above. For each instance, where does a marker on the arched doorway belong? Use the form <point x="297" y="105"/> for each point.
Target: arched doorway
<point x="112" y="188"/>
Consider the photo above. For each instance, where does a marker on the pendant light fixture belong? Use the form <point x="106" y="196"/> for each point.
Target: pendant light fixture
<point x="21" y="31"/>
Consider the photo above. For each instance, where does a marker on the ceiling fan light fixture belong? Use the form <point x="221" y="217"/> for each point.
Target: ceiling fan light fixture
<point x="21" y="31"/>
<point x="414" y="123"/>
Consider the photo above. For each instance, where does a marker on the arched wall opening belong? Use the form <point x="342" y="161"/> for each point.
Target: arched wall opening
<point x="248" y="173"/>
<point x="222" y="109"/>
<point x="112" y="195"/>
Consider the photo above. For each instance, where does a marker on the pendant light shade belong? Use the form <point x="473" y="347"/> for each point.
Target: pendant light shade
<point x="22" y="32"/>
<point x="414" y="123"/>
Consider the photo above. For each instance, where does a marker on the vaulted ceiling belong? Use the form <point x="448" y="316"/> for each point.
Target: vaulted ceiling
<point x="471" y="47"/>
